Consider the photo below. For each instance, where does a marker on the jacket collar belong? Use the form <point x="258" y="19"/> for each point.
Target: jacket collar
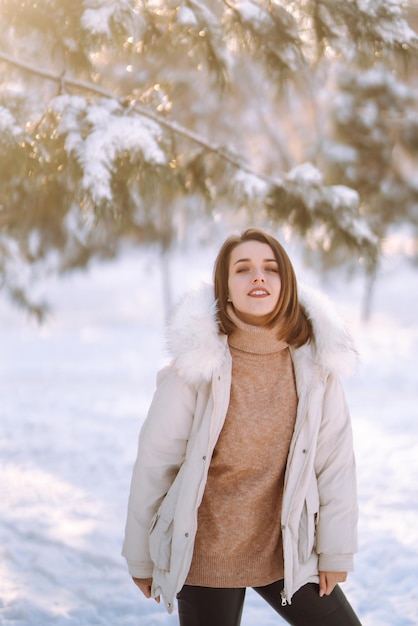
<point x="198" y="348"/>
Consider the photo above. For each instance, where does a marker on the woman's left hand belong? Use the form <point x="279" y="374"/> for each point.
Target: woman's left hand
<point x="328" y="580"/>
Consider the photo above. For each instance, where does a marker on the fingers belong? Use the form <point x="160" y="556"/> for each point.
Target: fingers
<point x="328" y="580"/>
<point x="146" y="589"/>
<point x="322" y="584"/>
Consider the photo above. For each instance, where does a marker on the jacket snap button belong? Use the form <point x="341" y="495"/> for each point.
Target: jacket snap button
<point x="204" y="458"/>
<point x="304" y="450"/>
<point x="186" y="534"/>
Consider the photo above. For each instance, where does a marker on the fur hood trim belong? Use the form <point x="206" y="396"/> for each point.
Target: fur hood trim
<point x="198" y="348"/>
<point x="334" y="345"/>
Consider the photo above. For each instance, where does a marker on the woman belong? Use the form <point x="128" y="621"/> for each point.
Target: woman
<point x="245" y="472"/>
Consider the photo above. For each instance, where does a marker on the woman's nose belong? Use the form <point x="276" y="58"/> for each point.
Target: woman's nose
<point x="258" y="276"/>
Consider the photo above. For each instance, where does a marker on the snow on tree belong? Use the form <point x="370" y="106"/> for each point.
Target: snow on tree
<point x="125" y="118"/>
<point x="371" y="148"/>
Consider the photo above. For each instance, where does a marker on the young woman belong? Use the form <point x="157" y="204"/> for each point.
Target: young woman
<point x="245" y="472"/>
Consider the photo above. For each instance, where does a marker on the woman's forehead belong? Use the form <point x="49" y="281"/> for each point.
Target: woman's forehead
<point x="248" y="250"/>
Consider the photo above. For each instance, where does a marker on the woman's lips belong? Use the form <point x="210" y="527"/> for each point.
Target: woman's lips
<point x="258" y="293"/>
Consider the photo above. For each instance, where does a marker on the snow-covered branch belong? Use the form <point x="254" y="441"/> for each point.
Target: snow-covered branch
<point x="178" y="129"/>
<point x="106" y="133"/>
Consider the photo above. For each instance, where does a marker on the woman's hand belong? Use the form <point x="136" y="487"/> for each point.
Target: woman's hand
<point x="328" y="580"/>
<point x="145" y="588"/>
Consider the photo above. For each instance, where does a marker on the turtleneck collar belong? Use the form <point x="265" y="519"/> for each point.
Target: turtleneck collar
<point x="254" y="339"/>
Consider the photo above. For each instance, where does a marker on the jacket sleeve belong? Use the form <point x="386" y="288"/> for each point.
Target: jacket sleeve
<point x="161" y="452"/>
<point x="336" y="536"/>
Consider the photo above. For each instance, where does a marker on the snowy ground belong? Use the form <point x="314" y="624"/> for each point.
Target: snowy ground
<point x="72" y="397"/>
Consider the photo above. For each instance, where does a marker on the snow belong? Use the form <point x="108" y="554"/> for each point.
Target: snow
<point x="117" y="136"/>
<point x="74" y="393"/>
<point x="250" y="186"/>
<point x="306" y="173"/>
<point x="186" y="17"/>
<point x="8" y="124"/>
<point x="347" y="198"/>
<point x="18" y="272"/>
<point x="394" y="29"/>
<point x="251" y="13"/>
<point x="97" y="19"/>
<point x="97" y="134"/>
<point x="339" y="152"/>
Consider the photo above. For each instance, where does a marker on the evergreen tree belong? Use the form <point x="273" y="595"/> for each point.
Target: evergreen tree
<point x="133" y="119"/>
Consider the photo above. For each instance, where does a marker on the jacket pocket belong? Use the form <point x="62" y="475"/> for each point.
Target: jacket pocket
<point x="160" y="539"/>
<point x="307" y="525"/>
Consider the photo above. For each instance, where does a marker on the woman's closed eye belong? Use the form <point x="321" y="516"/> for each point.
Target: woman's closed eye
<point x="271" y="269"/>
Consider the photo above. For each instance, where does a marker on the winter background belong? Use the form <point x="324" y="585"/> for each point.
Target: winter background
<point x="74" y="393"/>
<point x="110" y="135"/>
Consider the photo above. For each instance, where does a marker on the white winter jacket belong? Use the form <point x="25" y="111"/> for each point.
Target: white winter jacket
<point x="319" y="510"/>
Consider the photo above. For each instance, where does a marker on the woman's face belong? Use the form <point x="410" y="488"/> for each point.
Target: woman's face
<point x="253" y="282"/>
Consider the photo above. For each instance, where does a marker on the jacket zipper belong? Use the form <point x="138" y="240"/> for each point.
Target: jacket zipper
<point x="283" y="595"/>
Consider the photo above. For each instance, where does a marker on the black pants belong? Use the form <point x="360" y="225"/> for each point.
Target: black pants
<point x="207" y="606"/>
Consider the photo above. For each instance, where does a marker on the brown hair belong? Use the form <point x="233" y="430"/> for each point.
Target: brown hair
<point x="295" y="327"/>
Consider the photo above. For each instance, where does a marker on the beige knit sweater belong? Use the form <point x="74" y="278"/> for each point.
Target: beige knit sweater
<point x="238" y="541"/>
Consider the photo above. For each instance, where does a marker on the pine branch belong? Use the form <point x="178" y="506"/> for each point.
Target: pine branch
<point x="315" y="201"/>
<point x="172" y="126"/>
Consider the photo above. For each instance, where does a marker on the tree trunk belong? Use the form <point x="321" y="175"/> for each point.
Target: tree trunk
<point x="166" y="283"/>
<point x="368" y="294"/>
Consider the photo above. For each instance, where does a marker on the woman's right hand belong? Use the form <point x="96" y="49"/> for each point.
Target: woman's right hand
<point x="145" y="588"/>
